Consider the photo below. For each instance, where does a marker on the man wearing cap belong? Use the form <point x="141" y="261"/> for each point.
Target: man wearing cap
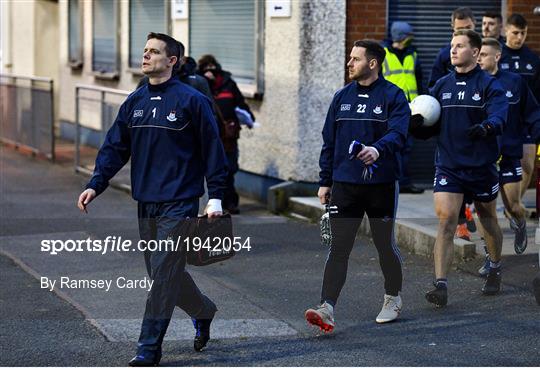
<point x="401" y="67"/>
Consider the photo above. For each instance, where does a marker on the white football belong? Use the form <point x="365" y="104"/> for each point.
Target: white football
<point x="428" y="107"/>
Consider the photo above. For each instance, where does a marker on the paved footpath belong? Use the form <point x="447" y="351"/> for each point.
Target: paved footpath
<point x="261" y="293"/>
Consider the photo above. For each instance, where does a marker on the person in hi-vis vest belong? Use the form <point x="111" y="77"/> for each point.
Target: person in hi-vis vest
<point x="401" y="67"/>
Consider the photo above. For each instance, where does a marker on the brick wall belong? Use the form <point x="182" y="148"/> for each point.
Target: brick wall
<point x="525" y="8"/>
<point x="365" y="19"/>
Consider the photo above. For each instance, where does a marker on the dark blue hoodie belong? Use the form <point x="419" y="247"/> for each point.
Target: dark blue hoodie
<point x="524" y="62"/>
<point x="170" y="133"/>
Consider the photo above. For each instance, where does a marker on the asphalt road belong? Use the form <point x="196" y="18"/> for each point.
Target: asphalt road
<point x="274" y="282"/>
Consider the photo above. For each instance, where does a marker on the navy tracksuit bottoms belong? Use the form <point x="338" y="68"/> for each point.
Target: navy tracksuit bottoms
<point x="173" y="286"/>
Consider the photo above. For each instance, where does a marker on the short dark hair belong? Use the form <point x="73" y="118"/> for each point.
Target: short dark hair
<point x="474" y="38"/>
<point x="494" y="15"/>
<point x="172" y="46"/>
<point x="462" y="13"/>
<point x="373" y="50"/>
<point x="488" y="41"/>
<point x="517" y="20"/>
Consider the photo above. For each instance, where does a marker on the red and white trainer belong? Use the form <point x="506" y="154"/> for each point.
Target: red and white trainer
<point x="322" y="317"/>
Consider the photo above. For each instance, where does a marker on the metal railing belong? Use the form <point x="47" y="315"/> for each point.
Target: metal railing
<point x="27" y="113"/>
<point x="95" y="111"/>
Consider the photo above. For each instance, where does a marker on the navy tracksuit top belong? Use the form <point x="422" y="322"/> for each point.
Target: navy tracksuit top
<point x="523" y="114"/>
<point x="467" y="99"/>
<point x="524" y="62"/>
<point x="170" y="133"/>
<point x="441" y="66"/>
<point x="376" y="115"/>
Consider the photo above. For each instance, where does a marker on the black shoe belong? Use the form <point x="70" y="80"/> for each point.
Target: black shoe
<point x="493" y="282"/>
<point x="438" y="296"/>
<point x="145" y="360"/>
<point x="411" y="190"/>
<point x="536" y="288"/>
<point x="202" y="333"/>
<point x="520" y="235"/>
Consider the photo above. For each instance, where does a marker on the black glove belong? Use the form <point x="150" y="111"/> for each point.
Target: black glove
<point x="480" y="130"/>
<point x="416" y="121"/>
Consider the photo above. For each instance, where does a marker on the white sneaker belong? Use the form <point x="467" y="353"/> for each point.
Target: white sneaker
<point x="322" y="317"/>
<point x="390" y="309"/>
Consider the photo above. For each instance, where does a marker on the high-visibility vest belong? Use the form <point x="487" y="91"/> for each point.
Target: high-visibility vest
<point x="402" y="75"/>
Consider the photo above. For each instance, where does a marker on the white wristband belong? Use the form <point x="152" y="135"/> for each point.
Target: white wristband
<point x="214" y="205"/>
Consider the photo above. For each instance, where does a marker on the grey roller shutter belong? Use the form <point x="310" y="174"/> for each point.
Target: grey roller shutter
<point x="225" y="29"/>
<point x="431" y="23"/>
<point x="145" y="16"/>
<point x="430" y="20"/>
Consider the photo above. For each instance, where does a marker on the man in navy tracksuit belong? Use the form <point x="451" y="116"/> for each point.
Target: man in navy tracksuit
<point x="462" y="18"/>
<point x="474" y="110"/>
<point x="374" y="113"/>
<point x="518" y="58"/>
<point x="523" y="115"/>
<point x="169" y="131"/>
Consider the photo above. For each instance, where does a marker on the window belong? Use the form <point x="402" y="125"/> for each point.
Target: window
<point x="231" y="31"/>
<point x="105" y="40"/>
<point x="145" y="16"/>
<point x="74" y="34"/>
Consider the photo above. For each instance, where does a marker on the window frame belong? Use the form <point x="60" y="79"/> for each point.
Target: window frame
<point x="115" y="74"/>
<point x="79" y="61"/>
<point x="256" y="90"/>
<point x="168" y="29"/>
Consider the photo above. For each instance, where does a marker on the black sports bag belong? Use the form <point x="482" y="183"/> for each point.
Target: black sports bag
<point x="214" y="241"/>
